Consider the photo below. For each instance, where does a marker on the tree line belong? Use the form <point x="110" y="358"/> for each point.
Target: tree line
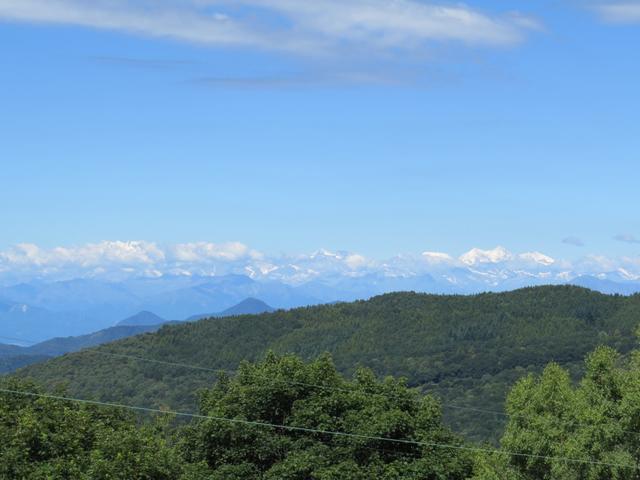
<point x="289" y="419"/>
<point x="467" y="350"/>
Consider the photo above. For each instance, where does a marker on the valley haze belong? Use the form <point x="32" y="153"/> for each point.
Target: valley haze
<point x="77" y="290"/>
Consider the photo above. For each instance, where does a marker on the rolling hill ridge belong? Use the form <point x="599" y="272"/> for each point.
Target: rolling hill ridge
<point x="467" y="349"/>
<point x="13" y="357"/>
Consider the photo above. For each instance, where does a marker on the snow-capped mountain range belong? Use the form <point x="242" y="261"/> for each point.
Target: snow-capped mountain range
<point x="118" y="261"/>
<point x="72" y="291"/>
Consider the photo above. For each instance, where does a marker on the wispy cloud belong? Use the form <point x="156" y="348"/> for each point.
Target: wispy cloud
<point x="167" y="19"/>
<point x="206" y="251"/>
<point x="311" y="79"/>
<point x="627" y="238"/>
<point x="305" y="27"/>
<point x="620" y="12"/>
<point x="573" y="240"/>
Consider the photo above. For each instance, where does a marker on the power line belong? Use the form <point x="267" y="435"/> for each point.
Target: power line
<point x="161" y="362"/>
<point x="444" y="404"/>
<point x="317" y="431"/>
<point x="339" y="389"/>
<point x="94" y="349"/>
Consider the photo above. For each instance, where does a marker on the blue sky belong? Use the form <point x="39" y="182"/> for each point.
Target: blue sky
<point x="379" y="135"/>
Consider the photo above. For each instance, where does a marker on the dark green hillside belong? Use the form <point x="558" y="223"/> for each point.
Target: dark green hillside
<point x="13" y="357"/>
<point x="61" y="345"/>
<point x="467" y="349"/>
<point x="11" y="363"/>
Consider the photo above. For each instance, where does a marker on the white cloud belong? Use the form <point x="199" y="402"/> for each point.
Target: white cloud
<point x="322" y="262"/>
<point x="23" y="253"/>
<point x="177" y="19"/>
<point x="437" y="257"/>
<point x="90" y="255"/>
<point x="395" y="23"/>
<point x="115" y="260"/>
<point x="537" y="257"/>
<point x="620" y="12"/>
<point x="477" y="256"/>
<point x="628" y="275"/>
<point x="291" y="25"/>
<point x="204" y="251"/>
<point x="355" y="261"/>
<point x="113" y="252"/>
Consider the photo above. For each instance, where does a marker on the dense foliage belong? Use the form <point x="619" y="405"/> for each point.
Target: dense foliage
<point x="466" y="349"/>
<point x="285" y="391"/>
<point x="13" y="357"/>
<point x="282" y="418"/>
<point x="50" y="438"/>
<point x="45" y="438"/>
<point x="597" y="421"/>
<point x="10" y="363"/>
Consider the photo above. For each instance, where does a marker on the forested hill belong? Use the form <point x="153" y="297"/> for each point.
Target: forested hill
<point x="467" y="349"/>
<point x="13" y="357"/>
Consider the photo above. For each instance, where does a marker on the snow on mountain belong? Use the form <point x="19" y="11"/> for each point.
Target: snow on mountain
<point x="437" y="257"/>
<point x="477" y="256"/>
<point x="628" y="275"/>
<point x="95" y="277"/>
<point x="537" y="257"/>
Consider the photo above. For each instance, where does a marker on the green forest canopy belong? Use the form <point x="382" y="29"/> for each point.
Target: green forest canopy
<point x="46" y="437"/>
<point x="282" y="418"/>
<point x="467" y="350"/>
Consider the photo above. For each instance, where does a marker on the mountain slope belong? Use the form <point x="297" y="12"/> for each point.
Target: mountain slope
<point x="8" y="350"/>
<point x="62" y="345"/>
<point x="468" y="349"/>
<point x="43" y="309"/>
<point x="142" y="318"/>
<point x="13" y="357"/>
<point x="607" y="286"/>
<point x="249" y="306"/>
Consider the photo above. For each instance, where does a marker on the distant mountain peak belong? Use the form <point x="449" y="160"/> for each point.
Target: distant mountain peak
<point x="142" y="318"/>
<point x="477" y="256"/>
<point x="537" y="257"/>
<point x="437" y="257"/>
<point x="251" y="302"/>
<point x="625" y="274"/>
<point x="324" y="253"/>
<point x="248" y="306"/>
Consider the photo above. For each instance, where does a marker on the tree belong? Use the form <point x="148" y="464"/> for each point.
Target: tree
<point x="49" y="438"/>
<point x="283" y="390"/>
<point x="590" y="431"/>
